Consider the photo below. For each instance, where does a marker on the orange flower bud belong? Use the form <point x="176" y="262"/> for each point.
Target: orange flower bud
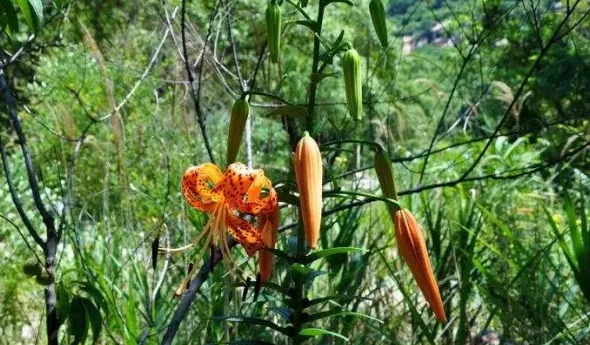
<point x="269" y="223"/>
<point x="308" y="172"/>
<point x="413" y="249"/>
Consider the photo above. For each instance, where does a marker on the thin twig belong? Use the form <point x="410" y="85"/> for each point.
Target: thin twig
<point x="191" y="293"/>
<point x="191" y="79"/>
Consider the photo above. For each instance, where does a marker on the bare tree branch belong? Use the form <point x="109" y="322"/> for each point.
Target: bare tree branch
<point x="197" y="103"/>
<point x="50" y="245"/>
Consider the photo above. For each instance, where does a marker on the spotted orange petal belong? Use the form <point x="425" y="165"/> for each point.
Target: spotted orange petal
<point x="198" y="186"/>
<point x="248" y="191"/>
<point x="245" y="233"/>
<point x="260" y="198"/>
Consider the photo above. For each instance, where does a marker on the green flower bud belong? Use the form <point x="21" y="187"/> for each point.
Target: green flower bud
<point x="273" y="30"/>
<point x="384" y="172"/>
<point x="379" y="21"/>
<point x="237" y="124"/>
<point x="351" y="64"/>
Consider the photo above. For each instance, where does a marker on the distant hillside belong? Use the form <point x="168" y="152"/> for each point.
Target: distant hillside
<point x="417" y="17"/>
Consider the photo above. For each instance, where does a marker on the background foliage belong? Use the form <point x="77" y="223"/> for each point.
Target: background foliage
<point x="482" y="104"/>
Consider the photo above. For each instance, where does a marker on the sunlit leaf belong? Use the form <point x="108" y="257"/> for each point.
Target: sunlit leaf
<point x="314" y="332"/>
<point x="327" y="252"/>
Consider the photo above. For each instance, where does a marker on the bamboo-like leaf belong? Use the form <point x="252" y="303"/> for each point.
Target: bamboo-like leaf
<point x="332" y="251"/>
<point x="347" y="2"/>
<point x="338" y="41"/>
<point x="279" y="254"/>
<point x="330" y="313"/>
<point x="96" y="295"/>
<point x="10" y="15"/>
<point x="564" y="247"/>
<point x="308" y="23"/>
<point x="253" y="321"/>
<point x="131" y="318"/>
<point x="37" y="6"/>
<point x="285" y="313"/>
<point x="63" y="302"/>
<point x="77" y="325"/>
<point x="335" y="298"/>
<point x="94" y="317"/>
<point x="314" y="332"/>
<point x="304" y="273"/>
<point x="575" y="233"/>
<point x="27" y="13"/>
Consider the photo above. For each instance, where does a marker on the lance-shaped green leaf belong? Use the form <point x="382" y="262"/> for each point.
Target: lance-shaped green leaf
<point x="334" y="298"/>
<point x="564" y="247"/>
<point x="331" y="251"/>
<point x="96" y="295"/>
<point x="77" y="325"/>
<point x="285" y="313"/>
<point x="327" y="2"/>
<point x="9" y="13"/>
<point x="314" y="332"/>
<point x="94" y="317"/>
<point x="37" y="6"/>
<point x="279" y="254"/>
<point x="308" y="23"/>
<point x="304" y="274"/>
<point x="331" y="313"/>
<point x="253" y="321"/>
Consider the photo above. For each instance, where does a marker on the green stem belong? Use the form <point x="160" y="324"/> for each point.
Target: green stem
<point x="300" y="238"/>
<point x="388" y="201"/>
<point x="352" y="141"/>
<point x="314" y="69"/>
<point x="299" y="9"/>
<point x="298" y="289"/>
<point x="266" y="94"/>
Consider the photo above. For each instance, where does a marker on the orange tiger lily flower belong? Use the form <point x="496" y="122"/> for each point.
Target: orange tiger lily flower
<point x="413" y="249"/>
<point x="226" y="196"/>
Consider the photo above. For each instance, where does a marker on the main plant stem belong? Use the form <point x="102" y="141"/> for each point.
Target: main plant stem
<point x="297" y="294"/>
<point x="298" y="289"/>
<point x="314" y="70"/>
